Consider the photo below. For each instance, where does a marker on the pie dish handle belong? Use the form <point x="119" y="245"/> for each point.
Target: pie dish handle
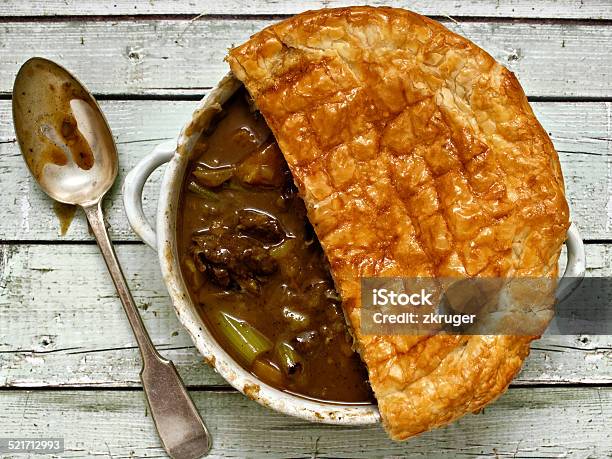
<point x="134" y="184"/>
<point x="575" y="266"/>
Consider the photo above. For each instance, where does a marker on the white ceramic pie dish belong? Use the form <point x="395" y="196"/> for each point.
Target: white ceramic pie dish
<point x="163" y="240"/>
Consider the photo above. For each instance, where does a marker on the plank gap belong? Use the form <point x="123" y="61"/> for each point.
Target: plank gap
<point x="93" y="388"/>
<point x="178" y="97"/>
<point x="444" y="19"/>
<point x="92" y="241"/>
<point x="226" y="388"/>
<point x="16" y="242"/>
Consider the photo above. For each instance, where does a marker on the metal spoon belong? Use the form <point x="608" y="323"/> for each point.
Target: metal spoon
<point x="68" y="146"/>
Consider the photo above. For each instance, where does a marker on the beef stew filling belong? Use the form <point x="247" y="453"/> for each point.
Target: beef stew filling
<point x="254" y="267"/>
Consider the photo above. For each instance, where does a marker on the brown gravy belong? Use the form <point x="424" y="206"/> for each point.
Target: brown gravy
<point x="48" y="132"/>
<point x="254" y="267"/>
<point x="65" y="215"/>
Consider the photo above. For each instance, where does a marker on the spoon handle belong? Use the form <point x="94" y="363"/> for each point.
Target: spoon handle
<point x="179" y="425"/>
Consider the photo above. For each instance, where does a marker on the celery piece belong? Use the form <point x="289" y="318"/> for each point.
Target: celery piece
<point x="282" y="250"/>
<point x="289" y="359"/>
<point x="195" y="276"/>
<point x="244" y="338"/>
<point x="198" y="189"/>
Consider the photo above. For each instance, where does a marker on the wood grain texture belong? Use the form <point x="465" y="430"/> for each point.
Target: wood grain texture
<point x="152" y="56"/>
<point x="581" y="133"/>
<point x="544" y="423"/>
<point x="590" y="9"/>
<point x="61" y="323"/>
<point x="62" y="326"/>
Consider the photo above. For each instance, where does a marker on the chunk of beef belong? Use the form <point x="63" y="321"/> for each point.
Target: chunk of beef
<point x="232" y="261"/>
<point x="260" y="226"/>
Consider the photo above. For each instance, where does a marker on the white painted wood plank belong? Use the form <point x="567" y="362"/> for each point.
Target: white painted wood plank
<point x="77" y="332"/>
<point x="549" y="422"/>
<point x="181" y="56"/>
<point x="590" y="9"/>
<point x="61" y="323"/>
<point x="580" y="131"/>
<point x="138" y="126"/>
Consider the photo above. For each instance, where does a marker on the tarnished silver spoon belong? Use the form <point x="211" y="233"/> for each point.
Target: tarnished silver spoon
<point x="68" y="146"/>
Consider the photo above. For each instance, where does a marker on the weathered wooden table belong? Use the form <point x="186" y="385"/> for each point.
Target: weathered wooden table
<point x="68" y="362"/>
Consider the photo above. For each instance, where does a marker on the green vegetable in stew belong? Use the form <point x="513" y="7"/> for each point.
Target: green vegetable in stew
<point x="195" y="276"/>
<point x="288" y="357"/>
<point x="283" y="249"/>
<point x="198" y="189"/>
<point x="246" y="339"/>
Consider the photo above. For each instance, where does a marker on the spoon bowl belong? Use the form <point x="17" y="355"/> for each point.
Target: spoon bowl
<point x="64" y="137"/>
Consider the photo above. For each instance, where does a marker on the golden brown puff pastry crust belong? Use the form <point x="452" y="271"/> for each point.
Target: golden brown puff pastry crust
<point x="417" y="155"/>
